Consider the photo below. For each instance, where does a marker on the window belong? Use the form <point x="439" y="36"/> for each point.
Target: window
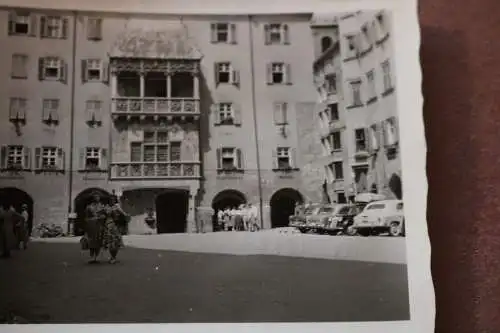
<point x="94" y="111"/>
<point x="399" y="206"/>
<point x="225" y="113"/>
<point x="372" y="93"/>
<point x="15" y="157"/>
<point x="374" y="139"/>
<point x="382" y="27"/>
<point x="17" y="109"/>
<point x="390" y="132"/>
<point x="356" y="93"/>
<point x="335" y="141"/>
<point x="326" y="43"/>
<point x="53" y="27"/>
<point x="352" y="47"/>
<point x="22" y="23"/>
<point x="375" y="206"/>
<point x="386" y="69"/>
<point x="223" y="33"/>
<point x="332" y="111"/>
<point x="279" y="73"/>
<point x="276" y="33"/>
<point x="19" y="67"/>
<point x="49" y="159"/>
<point x="52" y="69"/>
<point x="93" y="70"/>
<point x="229" y="159"/>
<point x="280" y="113"/>
<point x="94" y="28"/>
<point x="50" y="113"/>
<point x="155" y="147"/>
<point x="361" y="142"/>
<point x="224" y="73"/>
<point x="331" y="84"/>
<point x="93" y="159"/>
<point x="283" y="158"/>
<point x="336" y="169"/>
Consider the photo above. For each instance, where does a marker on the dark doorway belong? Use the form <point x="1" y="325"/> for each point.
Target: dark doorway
<point x="171" y="211"/>
<point x="396" y="186"/>
<point x="283" y="205"/>
<point x="223" y="200"/>
<point x="82" y="200"/>
<point x="11" y="196"/>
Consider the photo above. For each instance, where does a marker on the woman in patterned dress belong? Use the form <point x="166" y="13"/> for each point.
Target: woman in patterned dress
<point x="95" y="216"/>
<point x="112" y="238"/>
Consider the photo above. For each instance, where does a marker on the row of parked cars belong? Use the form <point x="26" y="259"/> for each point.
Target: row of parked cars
<point x="365" y="218"/>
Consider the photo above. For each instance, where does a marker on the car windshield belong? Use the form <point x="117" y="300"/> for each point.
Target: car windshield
<point x="375" y="206"/>
<point x="326" y="210"/>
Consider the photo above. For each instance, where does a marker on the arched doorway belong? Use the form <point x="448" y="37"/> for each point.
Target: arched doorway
<point x="283" y="205"/>
<point x="82" y="200"/>
<point x="396" y="186"/>
<point x="12" y="196"/>
<point x="226" y="199"/>
<point x="172" y="207"/>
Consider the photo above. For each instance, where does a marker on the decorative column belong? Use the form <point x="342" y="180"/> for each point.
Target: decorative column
<point x="169" y="85"/>
<point x="142" y="84"/>
<point x="114" y="85"/>
<point x="196" y="86"/>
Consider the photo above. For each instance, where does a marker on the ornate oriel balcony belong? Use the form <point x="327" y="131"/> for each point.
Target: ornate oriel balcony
<point x="144" y="170"/>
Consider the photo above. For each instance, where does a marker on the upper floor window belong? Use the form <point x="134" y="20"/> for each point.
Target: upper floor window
<point x="356" y="93"/>
<point x="17" y="109"/>
<point x="276" y="33"/>
<point x="372" y="92"/>
<point x="381" y="22"/>
<point x="326" y="43"/>
<point x="283" y="158"/>
<point x="94" y="28"/>
<point x="224" y="73"/>
<point x="229" y="159"/>
<point x="391" y="137"/>
<point x="335" y="141"/>
<point x="279" y="73"/>
<point x="94" y="70"/>
<point x="352" y="46"/>
<point x="93" y="159"/>
<point x="386" y="70"/>
<point x="93" y="109"/>
<point x="227" y="113"/>
<point x="336" y="171"/>
<point x="361" y="139"/>
<point x="52" y="68"/>
<point x="332" y="111"/>
<point x="280" y="113"/>
<point x="50" y="113"/>
<point x="49" y="159"/>
<point x="22" y="23"/>
<point x="331" y="84"/>
<point x="53" y="27"/>
<point x="19" y="66"/>
<point x="223" y="33"/>
<point x="156" y="147"/>
<point x="15" y="157"/>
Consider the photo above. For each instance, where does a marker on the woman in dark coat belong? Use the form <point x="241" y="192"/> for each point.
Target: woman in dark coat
<point x="7" y="236"/>
<point x="95" y="217"/>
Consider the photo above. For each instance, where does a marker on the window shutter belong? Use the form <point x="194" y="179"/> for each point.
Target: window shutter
<point x="236" y="77"/>
<point x="105" y="72"/>
<point x="38" y="158"/>
<point x="85" y="77"/>
<point x="219" y="158"/>
<point x="286" y="34"/>
<point x="384" y="133"/>
<point x="239" y="159"/>
<point x="64" y="34"/>
<point x="275" y="159"/>
<point x="81" y="159"/>
<point x="374" y="138"/>
<point x="33" y="25"/>
<point x="213" y="33"/>
<point x="368" y="141"/>
<point x="98" y="113"/>
<point x="41" y="69"/>
<point x="216" y="73"/>
<point x="277" y="113"/>
<point x="43" y="26"/>
<point x="267" y="34"/>
<point x="288" y="73"/>
<point x="216" y="114"/>
<point x="284" y="112"/>
<point x="269" y="73"/>
<point x="395" y="129"/>
<point x="27" y="158"/>
<point x="237" y="113"/>
<point x="61" y="161"/>
<point x="104" y="159"/>
<point x="12" y="23"/>
<point x="233" y="33"/>
<point x="3" y="157"/>
<point x="64" y="71"/>
<point x="95" y="32"/>
<point x="293" y="161"/>
<point x="54" y="112"/>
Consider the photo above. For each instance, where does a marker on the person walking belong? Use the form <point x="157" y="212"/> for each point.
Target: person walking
<point x="95" y="217"/>
<point x="112" y="238"/>
<point x="7" y="235"/>
<point x="23" y="227"/>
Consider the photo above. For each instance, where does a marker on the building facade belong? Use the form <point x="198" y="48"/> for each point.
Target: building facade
<point x="188" y="115"/>
<point x="357" y="105"/>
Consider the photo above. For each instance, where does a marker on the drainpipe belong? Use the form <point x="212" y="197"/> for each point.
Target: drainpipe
<point x="72" y="120"/>
<point x="256" y="127"/>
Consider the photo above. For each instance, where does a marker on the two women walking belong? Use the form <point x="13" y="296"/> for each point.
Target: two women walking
<point x="101" y="229"/>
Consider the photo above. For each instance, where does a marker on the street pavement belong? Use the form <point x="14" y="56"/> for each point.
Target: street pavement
<point x="51" y="283"/>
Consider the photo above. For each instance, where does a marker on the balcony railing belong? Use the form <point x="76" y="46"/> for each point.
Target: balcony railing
<point x="152" y="170"/>
<point x="153" y="105"/>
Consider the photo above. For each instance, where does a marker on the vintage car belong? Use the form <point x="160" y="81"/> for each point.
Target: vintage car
<point x="299" y="220"/>
<point x="343" y="220"/>
<point x="381" y="216"/>
<point x="318" y="220"/>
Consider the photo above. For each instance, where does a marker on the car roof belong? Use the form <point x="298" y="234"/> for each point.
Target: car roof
<point x="386" y="201"/>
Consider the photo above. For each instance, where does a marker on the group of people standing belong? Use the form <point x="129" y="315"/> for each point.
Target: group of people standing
<point x="102" y="228"/>
<point x="245" y="217"/>
<point x="14" y="229"/>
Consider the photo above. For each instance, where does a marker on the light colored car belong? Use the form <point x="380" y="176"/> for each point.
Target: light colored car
<point x="319" y="219"/>
<point x="299" y="221"/>
<point x="381" y="216"/>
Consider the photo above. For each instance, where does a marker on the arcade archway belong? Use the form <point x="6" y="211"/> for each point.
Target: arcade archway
<point x="172" y="208"/>
<point x="12" y="196"/>
<point x="283" y="205"/>
<point x="396" y="186"/>
<point x="226" y="199"/>
<point x="82" y="200"/>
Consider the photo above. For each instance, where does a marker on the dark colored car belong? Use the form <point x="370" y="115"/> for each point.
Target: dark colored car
<point x="343" y="220"/>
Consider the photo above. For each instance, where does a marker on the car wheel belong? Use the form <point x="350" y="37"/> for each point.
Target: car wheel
<point x="395" y="229"/>
<point x="350" y="231"/>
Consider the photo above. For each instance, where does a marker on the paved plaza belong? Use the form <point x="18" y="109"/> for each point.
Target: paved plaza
<point x="266" y="281"/>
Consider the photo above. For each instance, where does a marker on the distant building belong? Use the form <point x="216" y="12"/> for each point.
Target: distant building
<point x="357" y="108"/>
<point x="173" y="114"/>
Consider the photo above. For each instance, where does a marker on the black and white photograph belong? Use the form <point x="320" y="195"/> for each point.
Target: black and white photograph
<point x="172" y="164"/>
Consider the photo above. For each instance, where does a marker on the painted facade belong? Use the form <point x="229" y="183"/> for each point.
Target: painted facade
<point x="99" y="101"/>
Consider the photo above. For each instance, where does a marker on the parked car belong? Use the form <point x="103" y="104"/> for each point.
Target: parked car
<point x="318" y="220"/>
<point x="381" y="216"/>
<point x="299" y="221"/>
<point x="343" y="220"/>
